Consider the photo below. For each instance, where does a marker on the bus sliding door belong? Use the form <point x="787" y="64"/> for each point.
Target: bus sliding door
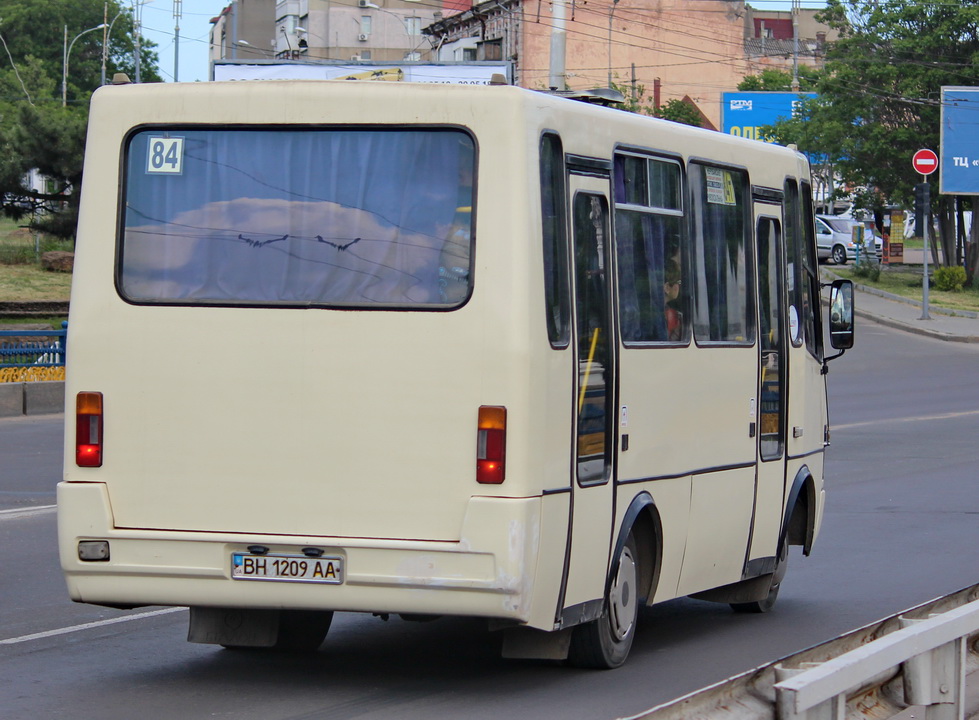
<point x="593" y="447"/>
<point x="771" y="400"/>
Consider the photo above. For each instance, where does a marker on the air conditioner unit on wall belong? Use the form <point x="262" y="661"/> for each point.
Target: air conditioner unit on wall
<point x="363" y="3"/>
<point x="363" y="37"/>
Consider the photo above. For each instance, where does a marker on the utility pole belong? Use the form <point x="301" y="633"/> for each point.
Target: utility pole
<point x="176" y="38"/>
<point x="559" y="39"/>
<point x="137" y="26"/>
<point x="795" y="45"/>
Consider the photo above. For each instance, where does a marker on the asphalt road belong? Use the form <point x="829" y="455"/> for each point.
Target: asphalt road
<point x="901" y="528"/>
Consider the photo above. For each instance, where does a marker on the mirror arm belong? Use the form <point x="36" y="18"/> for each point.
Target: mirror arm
<point x="825" y="368"/>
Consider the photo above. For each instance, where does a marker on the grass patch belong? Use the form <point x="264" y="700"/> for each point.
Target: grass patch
<point x="906" y="282"/>
<point x="22" y="279"/>
<point x="27" y="283"/>
<point x="52" y="322"/>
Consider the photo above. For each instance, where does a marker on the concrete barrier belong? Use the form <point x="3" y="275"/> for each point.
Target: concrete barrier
<point x="32" y="398"/>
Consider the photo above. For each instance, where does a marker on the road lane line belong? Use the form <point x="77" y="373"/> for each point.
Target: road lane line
<point x="87" y="626"/>
<point x="918" y="418"/>
<point x="24" y="512"/>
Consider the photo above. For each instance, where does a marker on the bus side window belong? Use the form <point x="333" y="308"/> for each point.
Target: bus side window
<point x="801" y="275"/>
<point x="723" y="289"/>
<point x="649" y="250"/>
<point x="557" y="288"/>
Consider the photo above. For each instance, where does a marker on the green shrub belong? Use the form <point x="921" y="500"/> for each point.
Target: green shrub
<point x="20" y="255"/>
<point x="867" y="269"/>
<point x="949" y="278"/>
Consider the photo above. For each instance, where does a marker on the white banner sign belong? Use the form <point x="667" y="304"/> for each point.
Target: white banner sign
<point x="451" y="74"/>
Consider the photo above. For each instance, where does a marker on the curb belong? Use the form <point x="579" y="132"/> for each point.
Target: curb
<point x="32" y="398"/>
<point x="907" y="327"/>
<point x="898" y="325"/>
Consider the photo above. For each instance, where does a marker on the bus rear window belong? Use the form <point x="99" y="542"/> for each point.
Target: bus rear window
<point x="368" y="218"/>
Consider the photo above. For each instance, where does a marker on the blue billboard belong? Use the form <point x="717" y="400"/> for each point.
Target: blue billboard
<point x="745" y="113"/>
<point x="958" y="158"/>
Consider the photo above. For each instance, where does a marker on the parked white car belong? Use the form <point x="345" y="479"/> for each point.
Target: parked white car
<point x="834" y="239"/>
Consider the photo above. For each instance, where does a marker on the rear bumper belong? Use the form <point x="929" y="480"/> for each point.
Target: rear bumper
<point x="488" y="573"/>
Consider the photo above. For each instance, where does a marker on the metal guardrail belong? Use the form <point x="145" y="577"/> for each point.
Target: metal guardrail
<point x="931" y="653"/>
<point x="17" y="351"/>
<point x="919" y="659"/>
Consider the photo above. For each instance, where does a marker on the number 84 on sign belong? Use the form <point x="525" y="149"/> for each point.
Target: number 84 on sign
<point x="165" y="155"/>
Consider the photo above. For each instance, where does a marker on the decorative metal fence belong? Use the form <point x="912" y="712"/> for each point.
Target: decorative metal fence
<point x="32" y="355"/>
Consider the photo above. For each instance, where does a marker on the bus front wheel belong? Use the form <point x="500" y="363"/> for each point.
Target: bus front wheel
<point x="606" y="641"/>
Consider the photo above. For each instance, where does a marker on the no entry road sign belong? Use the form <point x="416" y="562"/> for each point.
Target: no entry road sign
<point x="925" y="161"/>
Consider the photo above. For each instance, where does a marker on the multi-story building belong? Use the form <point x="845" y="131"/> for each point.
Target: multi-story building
<point x="770" y="38"/>
<point x="682" y="49"/>
<point x="243" y="31"/>
<point x="339" y="30"/>
<point x="655" y="50"/>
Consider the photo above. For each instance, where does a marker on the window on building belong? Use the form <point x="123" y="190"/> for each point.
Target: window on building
<point x="365" y="24"/>
<point x="490" y="50"/>
<point x="413" y="25"/>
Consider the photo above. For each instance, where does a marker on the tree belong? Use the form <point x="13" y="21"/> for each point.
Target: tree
<point x="775" y="80"/>
<point x="878" y="98"/>
<point x="680" y="111"/>
<point x="38" y="130"/>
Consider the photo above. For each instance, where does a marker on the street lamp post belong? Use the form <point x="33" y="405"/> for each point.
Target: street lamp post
<point x="64" y="67"/>
<point x="105" y="42"/>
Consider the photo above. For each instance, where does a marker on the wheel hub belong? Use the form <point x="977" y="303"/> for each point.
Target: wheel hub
<point x="623" y="596"/>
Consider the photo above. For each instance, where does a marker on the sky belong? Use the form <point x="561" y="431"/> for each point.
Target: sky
<point x="195" y="29"/>
<point x="195" y="33"/>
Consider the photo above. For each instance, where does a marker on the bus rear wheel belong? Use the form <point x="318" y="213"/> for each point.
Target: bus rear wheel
<point x="605" y="642"/>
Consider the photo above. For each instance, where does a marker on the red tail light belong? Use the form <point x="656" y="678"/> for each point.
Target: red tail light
<point x="88" y="429"/>
<point x="491" y="445"/>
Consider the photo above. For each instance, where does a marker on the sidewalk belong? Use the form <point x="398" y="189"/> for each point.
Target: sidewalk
<point x="904" y="314"/>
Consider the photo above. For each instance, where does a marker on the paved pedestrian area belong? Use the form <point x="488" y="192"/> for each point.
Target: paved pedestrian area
<point x="903" y="314"/>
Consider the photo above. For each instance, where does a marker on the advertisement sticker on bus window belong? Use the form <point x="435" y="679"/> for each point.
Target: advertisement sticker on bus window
<point x="165" y="155"/>
<point x="720" y="186"/>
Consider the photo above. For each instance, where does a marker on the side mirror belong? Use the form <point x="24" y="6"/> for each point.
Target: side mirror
<point x="841" y="314"/>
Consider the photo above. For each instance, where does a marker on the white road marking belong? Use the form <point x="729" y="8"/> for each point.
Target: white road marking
<point x="918" y="418"/>
<point x="88" y="626"/>
<point x="28" y="511"/>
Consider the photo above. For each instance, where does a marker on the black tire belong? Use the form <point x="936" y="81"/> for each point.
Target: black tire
<point x="605" y="643"/>
<point x="839" y="255"/>
<point x="768" y="602"/>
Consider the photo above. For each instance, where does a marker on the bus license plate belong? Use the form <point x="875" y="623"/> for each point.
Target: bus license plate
<point x="290" y="568"/>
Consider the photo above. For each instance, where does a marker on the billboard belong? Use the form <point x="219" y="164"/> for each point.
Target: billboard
<point x="745" y="113"/>
<point x="958" y="157"/>
<point x="478" y="73"/>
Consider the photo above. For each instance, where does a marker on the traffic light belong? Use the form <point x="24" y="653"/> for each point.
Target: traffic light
<point x="922" y="207"/>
